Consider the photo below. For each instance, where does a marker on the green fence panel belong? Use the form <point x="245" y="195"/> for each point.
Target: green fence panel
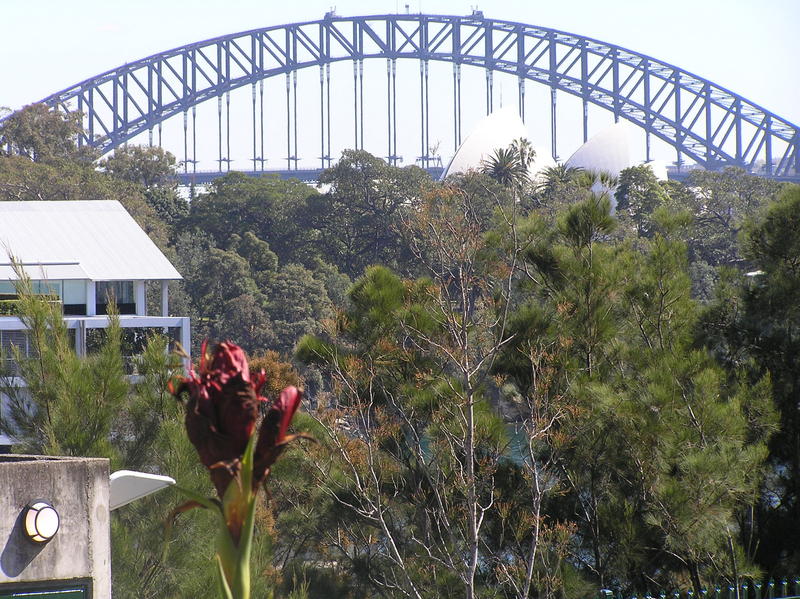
<point x="747" y="589"/>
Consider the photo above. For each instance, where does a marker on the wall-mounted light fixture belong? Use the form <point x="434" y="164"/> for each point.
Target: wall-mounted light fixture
<point x="41" y="521"/>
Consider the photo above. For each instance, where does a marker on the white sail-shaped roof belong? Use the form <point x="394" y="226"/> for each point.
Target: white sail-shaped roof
<point x="608" y="151"/>
<point x="83" y="239"/>
<point x="496" y="130"/>
<point x="659" y="168"/>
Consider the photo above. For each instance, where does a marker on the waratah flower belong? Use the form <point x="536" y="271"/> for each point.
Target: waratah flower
<point x="222" y="409"/>
<point x="222" y="412"/>
<point x="272" y="438"/>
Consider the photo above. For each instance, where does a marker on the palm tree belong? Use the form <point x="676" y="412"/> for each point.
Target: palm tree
<point x="555" y="177"/>
<point x="509" y="166"/>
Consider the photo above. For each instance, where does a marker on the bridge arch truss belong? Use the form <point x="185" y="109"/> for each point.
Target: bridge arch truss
<point x="704" y="122"/>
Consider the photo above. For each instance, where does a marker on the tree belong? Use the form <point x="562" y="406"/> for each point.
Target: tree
<point x="269" y="207"/>
<point x="560" y="174"/>
<point x="509" y="166"/>
<point x="375" y="430"/>
<point x="753" y="324"/>
<point x="418" y="444"/>
<point x="298" y="305"/>
<point x="242" y="294"/>
<point x="722" y="203"/>
<point x="245" y="319"/>
<point x="560" y="186"/>
<point x="67" y="404"/>
<point x="153" y="169"/>
<point x="262" y="261"/>
<point x="638" y="195"/>
<point x="658" y="444"/>
<point x="225" y="275"/>
<point x="40" y="134"/>
<point x="167" y="203"/>
<point x="358" y="218"/>
<point x="147" y="166"/>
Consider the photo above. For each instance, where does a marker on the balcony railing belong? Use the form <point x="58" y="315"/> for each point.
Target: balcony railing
<point x="15" y="343"/>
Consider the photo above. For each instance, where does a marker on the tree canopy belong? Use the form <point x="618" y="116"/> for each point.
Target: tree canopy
<point x="517" y="389"/>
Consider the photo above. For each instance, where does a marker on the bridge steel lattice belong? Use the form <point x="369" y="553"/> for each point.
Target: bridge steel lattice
<point x="704" y="122"/>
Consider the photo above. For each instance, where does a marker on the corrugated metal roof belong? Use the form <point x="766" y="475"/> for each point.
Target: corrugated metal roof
<point x="44" y="272"/>
<point x="80" y="239"/>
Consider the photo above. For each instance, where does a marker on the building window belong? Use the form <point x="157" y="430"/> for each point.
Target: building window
<point x="75" y="298"/>
<point x="120" y="292"/>
<point x="52" y="288"/>
<point x="12" y="342"/>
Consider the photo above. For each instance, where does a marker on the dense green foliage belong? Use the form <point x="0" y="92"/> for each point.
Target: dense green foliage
<point x="517" y="389"/>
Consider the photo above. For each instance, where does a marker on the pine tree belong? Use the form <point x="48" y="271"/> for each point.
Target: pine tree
<point x="754" y="325"/>
<point x="661" y="449"/>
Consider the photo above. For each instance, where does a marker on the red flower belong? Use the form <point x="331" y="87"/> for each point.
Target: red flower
<point x="222" y="412"/>
<point x="272" y="438"/>
<point x="222" y="409"/>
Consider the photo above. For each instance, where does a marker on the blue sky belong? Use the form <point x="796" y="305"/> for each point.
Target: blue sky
<point x="748" y="46"/>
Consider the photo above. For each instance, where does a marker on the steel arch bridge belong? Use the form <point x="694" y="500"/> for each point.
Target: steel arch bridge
<point x="704" y="122"/>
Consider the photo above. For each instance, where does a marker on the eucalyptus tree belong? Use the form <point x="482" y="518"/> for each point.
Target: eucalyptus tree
<point x="358" y="217"/>
<point x="420" y="448"/>
<point x="41" y="134"/>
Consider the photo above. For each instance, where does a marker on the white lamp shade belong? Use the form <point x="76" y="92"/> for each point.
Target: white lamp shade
<point x="41" y="521"/>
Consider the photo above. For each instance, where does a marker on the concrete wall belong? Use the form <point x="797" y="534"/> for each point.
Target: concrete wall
<point x="78" y="488"/>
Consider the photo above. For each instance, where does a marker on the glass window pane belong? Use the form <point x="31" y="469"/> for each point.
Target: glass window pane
<point x="74" y="292"/>
<point x="47" y="287"/>
<point x="121" y="291"/>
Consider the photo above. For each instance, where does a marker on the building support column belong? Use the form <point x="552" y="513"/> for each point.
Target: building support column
<point x="139" y="289"/>
<point x="186" y="342"/>
<point x="164" y="298"/>
<point x="80" y="337"/>
<point x="91" y="299"/>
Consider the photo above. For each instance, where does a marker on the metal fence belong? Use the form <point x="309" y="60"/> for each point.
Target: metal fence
<point x="785" y="588"/>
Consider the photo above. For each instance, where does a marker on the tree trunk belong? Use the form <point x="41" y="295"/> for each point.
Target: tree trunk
<point x="472" y="501"/>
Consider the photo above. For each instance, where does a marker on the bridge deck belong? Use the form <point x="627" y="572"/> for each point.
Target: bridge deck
<point x="307" y="175"/>
<point x="312" y="175"/>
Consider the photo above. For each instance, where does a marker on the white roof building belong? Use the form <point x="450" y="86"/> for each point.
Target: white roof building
<point x="609" y="151"/>
<point x="94" y="240"/>
<point x="82" y="255"/>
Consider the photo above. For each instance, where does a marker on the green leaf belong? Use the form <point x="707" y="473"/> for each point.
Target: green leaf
<point x="206" y="502"/>
<point x="227" y="554"/>
<point x="241" y="582"/>
<point x="222" y="584"/>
